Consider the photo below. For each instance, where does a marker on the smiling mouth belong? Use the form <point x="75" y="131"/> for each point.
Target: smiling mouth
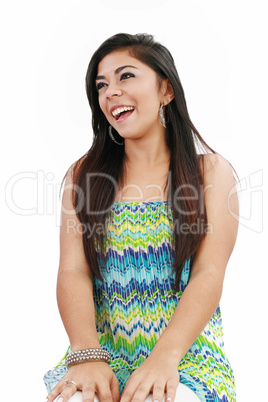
<point x="123" y="112"/>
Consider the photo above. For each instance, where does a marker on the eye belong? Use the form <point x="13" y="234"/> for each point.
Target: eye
<point x="100" y="85"/>
<point x="125" y="76"/>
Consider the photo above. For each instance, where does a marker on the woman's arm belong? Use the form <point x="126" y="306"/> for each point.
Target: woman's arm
<point x="74" y="284"/>
<point x="203" y="292"/>
<point x="76" y="306"/>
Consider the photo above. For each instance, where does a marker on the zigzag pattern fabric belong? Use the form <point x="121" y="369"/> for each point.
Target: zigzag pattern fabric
<point x="136" y="301"/>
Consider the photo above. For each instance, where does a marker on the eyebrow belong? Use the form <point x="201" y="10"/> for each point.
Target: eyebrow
<point x="117" y="71"/>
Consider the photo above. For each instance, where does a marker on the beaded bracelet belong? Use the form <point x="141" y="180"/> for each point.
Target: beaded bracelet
<point x="85" y="355"/>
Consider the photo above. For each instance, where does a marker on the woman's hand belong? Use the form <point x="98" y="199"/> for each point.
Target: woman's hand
<point x="157" y="374"/>
<point x="90" y="378"/>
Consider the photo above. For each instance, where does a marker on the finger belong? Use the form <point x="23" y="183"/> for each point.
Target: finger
<point x="67" y="392"/>
<point x="88" y="393"/>
<point x="56" y="390"/>
<point x="158" y="392"/>
<point x="171" y="389"/>
<point x="130" y="388"/>
<point x="127" y="394"/>
<point x="105" y="393"/>
<point x="115" y="389"/>
<point x="141" y="393"/>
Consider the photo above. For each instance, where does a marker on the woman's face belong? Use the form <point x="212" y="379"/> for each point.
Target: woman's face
<point x="124" y="82"/>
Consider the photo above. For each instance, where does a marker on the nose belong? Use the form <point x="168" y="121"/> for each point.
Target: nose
<point x="113" y="90"/>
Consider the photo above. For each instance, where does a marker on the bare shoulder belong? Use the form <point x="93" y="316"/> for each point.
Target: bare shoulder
<point x="72" y="256"/>
<point x="213" y="160"/>
<point x="215" y="167"/>
<point x="222" y="210"/>
<point x="220" y="191"/>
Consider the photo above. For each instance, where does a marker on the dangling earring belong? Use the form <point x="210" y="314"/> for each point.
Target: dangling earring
<point x="112" y="137"/>
<point x="162" y="117"/>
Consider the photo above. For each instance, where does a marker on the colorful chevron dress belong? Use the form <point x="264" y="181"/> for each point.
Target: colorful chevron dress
<point x="136" y="301"/>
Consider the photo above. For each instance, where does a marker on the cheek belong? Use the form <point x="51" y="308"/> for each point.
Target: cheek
<point x="150" y="105"/>
<point x="149" y="96"/>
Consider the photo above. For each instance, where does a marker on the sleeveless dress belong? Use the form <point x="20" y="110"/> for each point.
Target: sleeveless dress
<point x="136" y="301"/>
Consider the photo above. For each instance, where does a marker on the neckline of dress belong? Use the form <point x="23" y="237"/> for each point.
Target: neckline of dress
<point x="140" y="202"/>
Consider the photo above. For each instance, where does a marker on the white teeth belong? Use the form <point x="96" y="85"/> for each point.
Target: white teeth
<point x="122" y="109"/>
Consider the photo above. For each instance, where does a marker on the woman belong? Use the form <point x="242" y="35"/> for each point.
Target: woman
<point x="147" y="231"/>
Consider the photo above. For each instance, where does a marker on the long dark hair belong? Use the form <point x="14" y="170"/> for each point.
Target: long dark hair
<point x="103" y="163"/>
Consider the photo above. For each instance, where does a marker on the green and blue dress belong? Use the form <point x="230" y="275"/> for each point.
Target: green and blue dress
<point x="136" y="301"/>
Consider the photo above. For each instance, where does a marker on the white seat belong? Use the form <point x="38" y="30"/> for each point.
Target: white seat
<point x="183" y="394"/>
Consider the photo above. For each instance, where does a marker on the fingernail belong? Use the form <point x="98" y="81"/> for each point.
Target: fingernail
<point x="156" y="400"/>
<point x="169" y="399"/>
<point x="60" y="399"/>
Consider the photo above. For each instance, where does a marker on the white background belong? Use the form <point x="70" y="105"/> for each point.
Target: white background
<point x="220" y="49"/>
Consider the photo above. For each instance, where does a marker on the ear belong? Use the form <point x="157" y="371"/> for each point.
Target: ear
<point x="166" y="92"/>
